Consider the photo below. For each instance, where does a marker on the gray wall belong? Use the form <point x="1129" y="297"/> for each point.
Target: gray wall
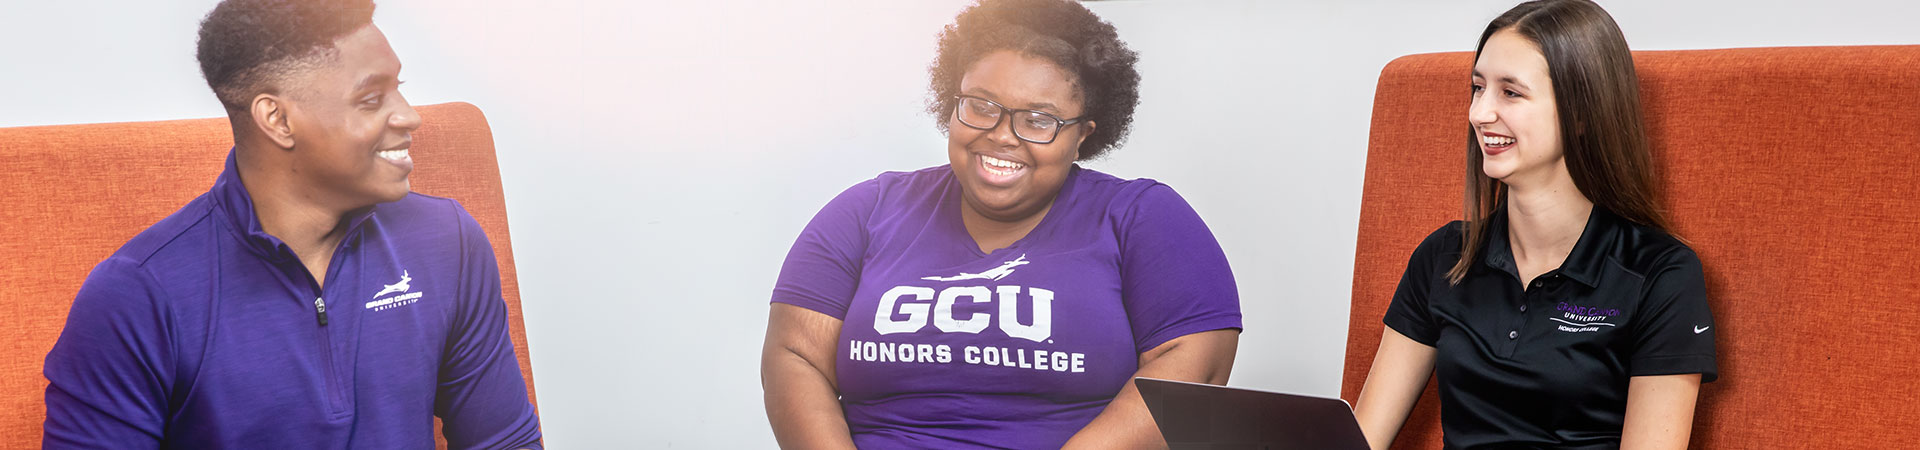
<point x="656" y="170"/>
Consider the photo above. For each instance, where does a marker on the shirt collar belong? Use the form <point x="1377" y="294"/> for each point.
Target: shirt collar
<point x="237" y="204"/>
<point x="1582" y="265"/>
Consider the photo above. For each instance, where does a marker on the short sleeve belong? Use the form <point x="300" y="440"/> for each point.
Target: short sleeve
<point x="1674" y="331"/>
<point x="1409" y="313"/>
<point x="822" y="270"/>
<point x="1174" y="277"/>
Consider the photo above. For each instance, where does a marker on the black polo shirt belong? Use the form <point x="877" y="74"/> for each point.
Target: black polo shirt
<point x="1548" y="366"/>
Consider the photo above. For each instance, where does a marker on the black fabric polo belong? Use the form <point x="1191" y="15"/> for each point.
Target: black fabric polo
<point x="1548" y="366"/>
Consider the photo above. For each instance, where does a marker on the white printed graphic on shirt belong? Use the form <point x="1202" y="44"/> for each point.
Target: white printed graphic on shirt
<point x="911" y="301"/>
<point x="405" y="298"/>
<point x="402" y="286"/>
<point x="897" y="300"/>
<point x="994" y="274"/>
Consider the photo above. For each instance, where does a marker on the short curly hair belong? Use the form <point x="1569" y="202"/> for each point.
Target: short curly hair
<point x="1060" y="31"/>
<point x="248" y="47"/>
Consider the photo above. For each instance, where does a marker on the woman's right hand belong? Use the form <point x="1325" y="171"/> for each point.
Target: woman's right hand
<point x="796" y="373"/>
<point x="1399" y="374"/>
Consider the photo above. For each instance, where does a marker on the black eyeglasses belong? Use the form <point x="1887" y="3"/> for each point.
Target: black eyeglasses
<point x="1028" y="125"/>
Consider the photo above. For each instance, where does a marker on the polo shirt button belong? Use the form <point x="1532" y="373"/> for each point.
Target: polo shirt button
<point x="1523" y="308"/>
<point x="1513" y="335"/>
<point x="1538" y="284"/>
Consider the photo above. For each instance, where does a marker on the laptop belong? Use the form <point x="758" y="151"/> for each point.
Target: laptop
<point x="1207" y="417"/>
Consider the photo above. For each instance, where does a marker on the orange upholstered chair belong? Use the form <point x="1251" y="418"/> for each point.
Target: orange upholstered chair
<point x="1791" y="171"/>
<point x="74" y="193"/>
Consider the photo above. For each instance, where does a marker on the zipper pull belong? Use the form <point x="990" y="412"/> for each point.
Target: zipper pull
<point x="320" y="307"/>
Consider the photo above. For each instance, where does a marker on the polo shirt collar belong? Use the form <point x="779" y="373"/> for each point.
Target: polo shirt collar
<point x="237" y="206"/>
<point x="1582" y="265"/>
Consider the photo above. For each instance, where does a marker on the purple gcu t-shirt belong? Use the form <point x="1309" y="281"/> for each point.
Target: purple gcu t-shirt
<point x="944" y="346"/>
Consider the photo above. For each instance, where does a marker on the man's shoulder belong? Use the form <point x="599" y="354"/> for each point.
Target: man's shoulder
<point x="422" y="225"/>
<point x="421" y="207"/>
<point x="422" y="215"/>
<point x="182" y="234"/>
<point x="169" y="260"/>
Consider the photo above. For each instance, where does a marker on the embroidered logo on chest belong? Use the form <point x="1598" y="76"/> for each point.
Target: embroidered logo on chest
<point x="399" y="295"/>
<point x="1584" y="319"/>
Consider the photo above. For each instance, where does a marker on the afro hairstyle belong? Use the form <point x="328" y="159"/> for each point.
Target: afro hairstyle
<point x="1060" y="31"/>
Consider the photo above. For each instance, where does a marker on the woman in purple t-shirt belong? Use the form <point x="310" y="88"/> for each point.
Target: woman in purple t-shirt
<point x="1006" y="299"/>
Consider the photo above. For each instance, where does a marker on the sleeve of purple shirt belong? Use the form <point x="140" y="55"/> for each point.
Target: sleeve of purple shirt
<point x="1174" y="277"/>
<point x="108" y="375"/>
<point x="482" y="400"/>
<point x="822" y="270"/>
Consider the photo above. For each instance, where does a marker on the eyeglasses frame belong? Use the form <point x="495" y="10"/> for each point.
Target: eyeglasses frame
<point x="1006" y="112"/>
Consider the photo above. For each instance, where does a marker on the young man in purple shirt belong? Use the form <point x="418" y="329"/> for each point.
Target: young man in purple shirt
<point x="308" y="300"/>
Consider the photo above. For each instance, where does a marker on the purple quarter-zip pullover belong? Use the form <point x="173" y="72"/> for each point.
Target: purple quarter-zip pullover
<point x="206" y="332"/>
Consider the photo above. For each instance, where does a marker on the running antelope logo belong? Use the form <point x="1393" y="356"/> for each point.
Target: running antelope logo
<point x="403" y="299"/>
<point x="402" y="286"/>
<point x="994" y="274"/>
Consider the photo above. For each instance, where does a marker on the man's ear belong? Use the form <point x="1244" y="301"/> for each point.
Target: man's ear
<point x="270" y="119"/>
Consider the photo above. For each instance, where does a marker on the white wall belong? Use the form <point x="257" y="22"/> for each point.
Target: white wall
<point x="655" y="176"/>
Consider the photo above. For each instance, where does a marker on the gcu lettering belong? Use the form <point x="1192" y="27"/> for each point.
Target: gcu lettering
<point x="911" y="301"/>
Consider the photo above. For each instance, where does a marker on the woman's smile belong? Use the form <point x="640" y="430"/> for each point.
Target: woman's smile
<point x="999" y="172"/>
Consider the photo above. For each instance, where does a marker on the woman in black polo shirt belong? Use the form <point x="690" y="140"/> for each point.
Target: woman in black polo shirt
<point x="1559" y="314"/>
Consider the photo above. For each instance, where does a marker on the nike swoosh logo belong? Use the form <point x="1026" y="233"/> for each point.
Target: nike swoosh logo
<point x="1698" y="330"/>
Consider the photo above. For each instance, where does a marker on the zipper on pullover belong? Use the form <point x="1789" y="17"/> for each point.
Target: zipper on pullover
<point x="320" y="307"/>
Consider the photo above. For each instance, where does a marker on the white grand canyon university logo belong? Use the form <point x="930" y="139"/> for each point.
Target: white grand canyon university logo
<point x="403" y="299"/>
<point x="911" y="301"/>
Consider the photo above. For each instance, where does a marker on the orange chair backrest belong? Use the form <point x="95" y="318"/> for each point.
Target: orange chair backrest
<point x="74" y="193"/>
<point x="1791" y="171"/>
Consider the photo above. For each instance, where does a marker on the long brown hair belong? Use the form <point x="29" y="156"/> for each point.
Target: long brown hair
<point x="1597" y="96"/>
